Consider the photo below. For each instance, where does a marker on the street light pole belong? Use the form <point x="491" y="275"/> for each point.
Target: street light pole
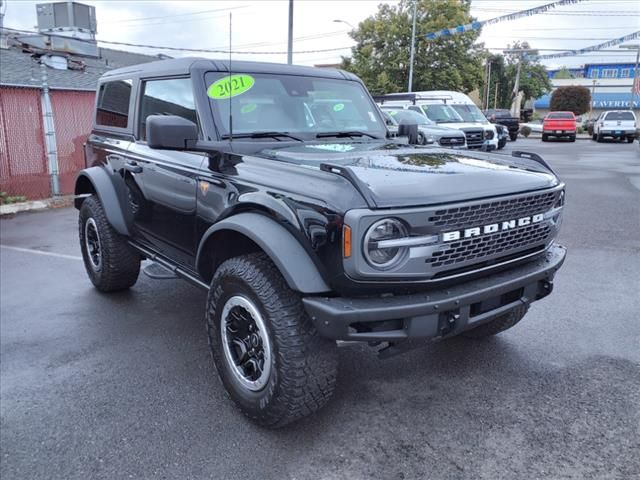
<point x="290" y="39"/>
<point x="413" y="47"/>
<point x="635" y="71"/>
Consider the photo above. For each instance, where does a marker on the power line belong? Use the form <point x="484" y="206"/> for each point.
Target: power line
<point x="174" y="16"/>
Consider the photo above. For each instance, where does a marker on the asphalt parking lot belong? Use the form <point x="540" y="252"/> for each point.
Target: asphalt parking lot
<point x="122" y="386"/>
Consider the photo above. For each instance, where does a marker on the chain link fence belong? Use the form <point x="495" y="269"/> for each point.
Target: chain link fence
<point x="73" y="119"/>
<point x="23" y="160"/>
<point x="24" y="167"/>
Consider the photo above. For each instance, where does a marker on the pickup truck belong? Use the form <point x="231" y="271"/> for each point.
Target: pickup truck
<point x="559" y="124"/>
<point x="504" y="117"/>
<point x="615" y="124"/>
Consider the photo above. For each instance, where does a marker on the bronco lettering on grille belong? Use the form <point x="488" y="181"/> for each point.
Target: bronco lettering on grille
<point x="491" y="228"/>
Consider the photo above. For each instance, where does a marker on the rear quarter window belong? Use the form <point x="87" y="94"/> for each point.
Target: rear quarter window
<point x="113" y="104"/>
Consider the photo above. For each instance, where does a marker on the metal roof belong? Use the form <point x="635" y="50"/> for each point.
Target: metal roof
<point x="19" y="68"/>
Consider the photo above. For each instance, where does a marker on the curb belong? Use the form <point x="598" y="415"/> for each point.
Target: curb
<point x="35" y="205"/>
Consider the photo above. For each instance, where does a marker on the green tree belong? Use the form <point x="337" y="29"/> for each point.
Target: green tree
<point x="574" y="98"/>
<point x="381" y="55"/>
<point x="534" y="81"/>
<point x="563" y="74"/>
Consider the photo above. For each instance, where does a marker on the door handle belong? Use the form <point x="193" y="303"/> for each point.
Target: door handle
<point x="132" y="167"/>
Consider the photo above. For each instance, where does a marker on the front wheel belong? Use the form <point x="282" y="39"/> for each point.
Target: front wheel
<point x="630" y="139"/>
<point x="270" y="358"/>
<point x="498" y="324"/>
<point x="513" y="136"/>
<point x="111" y="263"/>
<point x="572" y="138"/>
<point x="544" y="138"/>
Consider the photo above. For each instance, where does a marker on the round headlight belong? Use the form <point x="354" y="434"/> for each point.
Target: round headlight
<point x="378" y="254"/>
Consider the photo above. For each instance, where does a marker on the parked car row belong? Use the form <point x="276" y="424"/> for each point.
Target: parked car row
<point x="443" y="113"/>
<point x="614" y="124"/>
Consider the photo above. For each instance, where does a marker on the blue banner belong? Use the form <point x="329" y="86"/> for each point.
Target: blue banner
<point x="504" y="18"/>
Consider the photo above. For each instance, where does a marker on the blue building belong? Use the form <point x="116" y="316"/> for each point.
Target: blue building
<point x="610" y="85"/>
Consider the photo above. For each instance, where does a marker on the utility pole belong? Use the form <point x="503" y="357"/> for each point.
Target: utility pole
<point x="413" y="47"/>
<point x="593" y="93"/>
<point x="488" y="94"/>
<point x="49" y="132"/>
<point x="290" y="39"/>
<point x="495" y="96"/>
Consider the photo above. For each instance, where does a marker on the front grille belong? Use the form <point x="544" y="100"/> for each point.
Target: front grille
<point x="478" y="248"/>
<point x="474" y="137"/>
<point x="451" y="141"/>
<point x="492" y="212"/>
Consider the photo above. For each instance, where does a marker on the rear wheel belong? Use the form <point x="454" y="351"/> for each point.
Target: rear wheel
<point x="111" y="263"/>
<point x="630" y="139"/>
<point x="498" y="324"/>
<point x="572" y="138"/>
<point x="544" y="137"/>
<point x="270" y="358"/>
<point x="594" y="137"/>
<point x="513" y="136"/>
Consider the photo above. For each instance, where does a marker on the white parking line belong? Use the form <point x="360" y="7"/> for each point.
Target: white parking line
<point x="40" y="252"/>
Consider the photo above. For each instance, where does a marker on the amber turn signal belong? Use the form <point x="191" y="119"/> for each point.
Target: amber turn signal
<point x="346" y="241"/>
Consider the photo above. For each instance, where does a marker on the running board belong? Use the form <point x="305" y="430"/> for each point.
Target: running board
<point x="167" y="265"/>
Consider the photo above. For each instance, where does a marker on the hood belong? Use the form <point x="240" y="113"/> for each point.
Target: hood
<point x="440" y="130"/>
<point x="392" y="175"/>
<point x="462" y="125"/>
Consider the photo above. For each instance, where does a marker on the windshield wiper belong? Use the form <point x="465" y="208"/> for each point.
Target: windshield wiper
<point x="346" y="133"/>
<point x="275" y="135"/>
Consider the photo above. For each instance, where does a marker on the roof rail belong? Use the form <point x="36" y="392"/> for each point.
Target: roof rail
<point x="412" y="97"/>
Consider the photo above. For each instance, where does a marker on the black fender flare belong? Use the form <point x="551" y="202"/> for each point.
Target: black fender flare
<point x="112" y="195"/>
<point x="297" y="268"/>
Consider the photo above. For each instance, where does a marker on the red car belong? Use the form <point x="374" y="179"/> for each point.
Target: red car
<point x="559" y="124"/>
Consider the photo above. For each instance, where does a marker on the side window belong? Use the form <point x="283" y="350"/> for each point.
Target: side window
<point x="113" y="103"/>
<point x="166" y="97"/>
<point x="416" y="109"/>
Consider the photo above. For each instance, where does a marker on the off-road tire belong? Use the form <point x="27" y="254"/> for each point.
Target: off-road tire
<point x="498" y="324"/>
<point x="303" y="364"/>
<point x="120" y="263"/>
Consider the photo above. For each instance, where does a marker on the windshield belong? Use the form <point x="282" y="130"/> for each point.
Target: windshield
<point x="409" y="116"/>
<point x="441" y="113"/>
<point x="470" y="113"/>
<point x="299" y="105"/>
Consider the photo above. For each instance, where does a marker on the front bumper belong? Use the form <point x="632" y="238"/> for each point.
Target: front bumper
<point x="438" y="313"/>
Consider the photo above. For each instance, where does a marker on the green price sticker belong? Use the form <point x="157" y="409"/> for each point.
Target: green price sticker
<point x="248" y="108"/>
<point x="338" y="106"/>
<point x="230" y="86"/>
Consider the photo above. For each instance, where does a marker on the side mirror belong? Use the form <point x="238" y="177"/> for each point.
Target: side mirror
<point x="409" y="130"/>
<point x="171" y="132"/>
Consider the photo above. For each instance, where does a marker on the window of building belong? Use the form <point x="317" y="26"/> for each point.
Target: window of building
<point x="166" y="97"/>
<point x="609" y="73"/>
<point x="113" y="103"/>
<point x="625" y="73"/>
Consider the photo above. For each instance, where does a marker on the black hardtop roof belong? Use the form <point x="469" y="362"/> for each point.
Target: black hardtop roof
<point x="183" y="66"/>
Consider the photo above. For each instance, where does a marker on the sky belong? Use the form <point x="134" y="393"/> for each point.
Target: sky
<point x="261" y="26"/>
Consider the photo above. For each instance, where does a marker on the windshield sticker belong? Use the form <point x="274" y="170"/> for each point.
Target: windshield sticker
<point x="335" y="147"/>
<point x="338" y="107"/>
<point x="248" y="108"/>
<point x="230" y="86"/>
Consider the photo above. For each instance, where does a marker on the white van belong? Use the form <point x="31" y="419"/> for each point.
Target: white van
<point x="448" y="109"/>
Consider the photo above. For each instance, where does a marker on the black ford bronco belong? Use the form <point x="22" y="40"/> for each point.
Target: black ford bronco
<point x="278" y="189"/>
